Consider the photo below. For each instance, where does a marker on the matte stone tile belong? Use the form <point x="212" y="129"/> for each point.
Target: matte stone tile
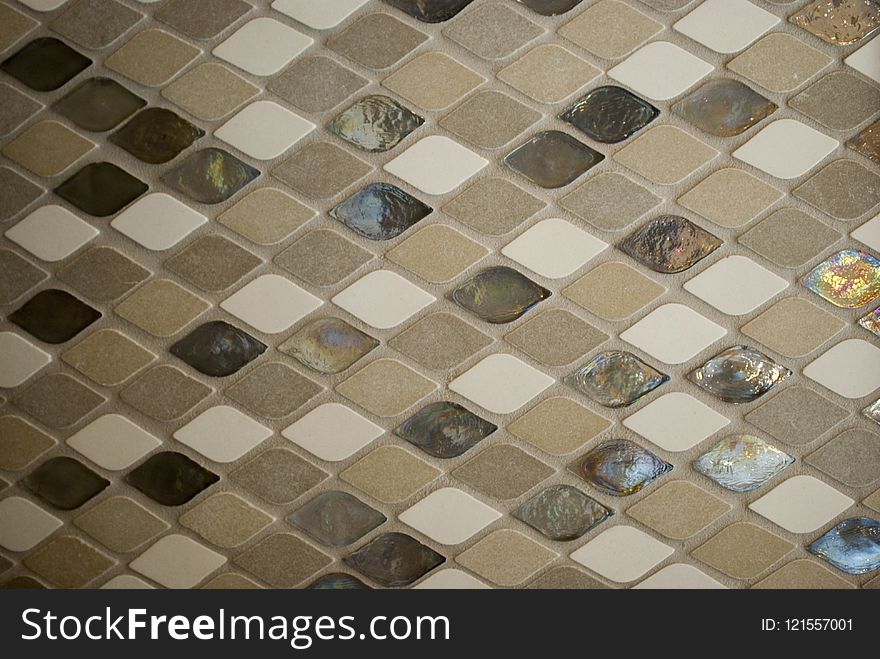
<point x="803" y="574"/>
<point x="440" y="341"/>
<point x="742" y="550"/>
<point x="823" y="101"/>
<point x="614" y="291"/>
<point x="506" y="557"/>
<point x="610" y="29"/>
<point x="230" y="581"/>
<point x="336" y="518"/>
<point x="610" y="201"/>
<point x="161" y="307"/>
<point x="565" y="578"/>
<point x="45" y="64"/>
<point x="273" y="390"/>
<point x="665" y="155"/>
<point x="321" y="170"/>
<point x="790" y="238"/>
<point x="389" y="474"/>
<point x="357" y="42"/>
<point x="844" y="189"/>
<point x="548" y="73"/>
<point x="16" y="193"/>
<point x="58" y="401"/>
<point x="323" y="258"/>
<point x="797" y="416"/>
<point x="164" y="393"/>
<point x="853" y="458"/>
<point x="213" y="263"/>
<point x="47" y="148"/>
<point x="437" y="253"/>
<point x="68" y="562"/>
<point x="558" y="425"/>
<point x="101" y="189"/>
<point x="15" y="108"/>
<point x="556" y="337"/>
<point x="120" y="524"/>
<point x="678" y="510"/>
<point x="152" y="57"/>
<point x="225" y="520"/>
<point x="490" y="119"/>
<point x="779" y="62"/>
<point x="386" y="387"/>
<point x="502" y="471"/>
<point x="266" y="216"/>
<point x="176" y="561"/>
<point x="107" y="357"/>
<point x="98" y="104"/>
<point x="730" y="197"/>
<point x="433" y="81"/>
<point x="316" y="84"/>
<point x="277" y="475"/>
<point x="201" y="19"/>
<point x="492" y="31"/>
<point x="95" y="23"/>
<point x="17" y="276"/>
<point x="21" y="443"/>
<point x="494" y="206"/>
<point x="282" y="560"/>
<point x="210" y="91"/>
<point x="102" y="274"/>
<point x="13" y="26"/>
<point x="667" y="5"/>
<point x="793" y="327"/>
<point x="170" y="479"/>
<point x="64" y="483"/>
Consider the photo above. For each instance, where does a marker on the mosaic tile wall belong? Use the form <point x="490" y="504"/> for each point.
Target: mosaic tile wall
<point x="548" y="293"/>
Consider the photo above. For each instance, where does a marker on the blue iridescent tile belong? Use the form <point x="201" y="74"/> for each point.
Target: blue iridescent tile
<point x="620" y="467"/>
<point x="739" y="375"/>
<point x="616" y="378"/>
<point x="742" y="463"/>
<point x="380" y="211"/>
<point x="852" y="546"/>
<point x="338" y="581"/>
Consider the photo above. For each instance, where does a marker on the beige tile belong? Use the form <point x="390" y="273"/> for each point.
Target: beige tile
<point x="622" y="553"/>
<point x="164" y="393"/>
<point x="797" y="416"/>
<point x="277" y="475"/>
<point x="853" y="458"/>
<point x="779" y="62"/>
<point x="844" y="189"/>
<point x="107" y="357"/>
<point x="803" y="574"/>
<point x="58" y="400"/>
<point x="225" y="520"/>
<point x="822" y="101"/>
<point x="213" y="262"/>
<point x="357" y="42"/>
<point x="386" y="387"/>
<point x="282" y="560"/>
<point x="161" y="307"/>
<point x="440" y="341"/>
<point x="610" y="201"/>
<point x="120" y="524"/>
<point x="614" y="291"/>
<point x="503" y="471"/>
<point x="433" y="81"/>
<point x="730" y="197"/>
<point x="556" y="337"/>
<point x="176" y="561"/>
<point x="266" y="216"/>
<point x="490" y="119"/>
<point x="17" y="193"/>
<point x="558" y="426"/>
<point x="68" y="562"/>
<point x="437" y="253"/>
<point x="210" y="91"/>
<point x="793" y="327"/>
<point x="152" y="57"/>
<point x="665" y="155"/>
<point x="389" y="474"/>
<point x="13" y="26"/>
<point x="566" y="578"/>
<point x="506" y="557"/>
<point x="678" y="510"/>
<point x="742" y="550"/>
<point x="47" y="148"/>
<point x="873" y="501"/>
<point x="494" y="206"/>
<point x="610" y="29"/>
<point x="548" y="73"/>
<point x="323" y="258"/>
<point x="230" y="581"/>
<point x="102" y="274"/>
<point x="21" y="443"/>
<point x="19" y="276"/>
<point x="789" y="237"/>
<point x="492" y="30"/>
<point x="316" y="84"/>
<point x="273" y="390"/>
<point x="321" y="170"/>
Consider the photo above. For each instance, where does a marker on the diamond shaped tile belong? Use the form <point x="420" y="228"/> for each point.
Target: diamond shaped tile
<point x="113" y="442"/>
<point x="502" y="471"/>
<point x="803" y="574"/>
<point x="17" y="24"/>
<point x="797" y="415"/>
<point x="816" y="100"/>
<point x="21" y="443"/>
<point x="598" y="29"/>
<point x="273" y="390"/>
<point x="68" y="562"/>
<point x="742" y="463"/>
<point x="202" y="19"/>
<point x="435" y="12"/>
<point x="851" y="546"/>
<point x="383" y="299"/>
<point x="212" y="262"/>
<point x="853" y="458"/>
<point x="64" y="483"/>
<point x="433" y="81"/>
<point x="107" y="357"/>
<point x="669" y="244"/>
<point x="556" y="337"/>
<point x="271" y="303"/>
<point x="164" y="393"/>
<point x="610" y="114"/>
<point x="54" y="316"/>
<point x="389" y="474"/>
<point x="24" y="524"/>
<point x="137" y="59"/>
<point x="779" y="62"/>
<point x="763" y="150"/>
<point x="95" y="23"/>
<point x="558" y="425"/>
<point x="19" y="276"/>
<point x="726" y="26"/>
<point x="444" y="430"/>
<point x="665" y="155"/>
<point x="316" y="84"/>
<point x="724" y="107"/>
<point x="209" y="91"/>
<point x="499" y="294"/>
<point x="867" y="142"/>
<point x="436" y="165"/>
<point x="673" y="333"/>
<point x="101" y="189"/>
<point x="661" y="70"/>
<point x="450" y="579"/>
<point x="501" y="383"/>
<point x="222" y="434"/>
<point x="548" y="73"/>
<point x="793" y="327"/>
<point x="848" y="279"/>
<point x="506" y="557"/>
<point x="282" y="560"/>
<point x="613" y="291"/>
<point x="742" y="550"/>
<point x="380" y="211"/>
<point x="176" y="561"/>
<point x="739" y="374"/>
<point x="394" y="559"/>
<point x="386" y="387"/>
<point x="321" y="170"/>
<point x="336" y="518"/>
<point x="843" y="189"/>
<point x="309" y="258"/>
<point x="375" y="123"/>
<point x="616" y="379"/>
<point x="99" y="104"/>
<point x="158" y="221"/>
<point x="161" y="307"/>
<point x="51" y="233"/>
<point x="619" y="467"/>
<point x="264" y="130"/>
<point x="679" y="576"/>
<point x="21" y="359"/>
<point x="262" y="46"/>
<point x="437" y="253"/>
<point x="102" y="274"/>
<point x="225" y="520"/>
<point x="493" y="206"/>
<point x="730" y="197"/>
<point x="47" y="148"/>
<point x="218" y="349"/>
<point x="449" y="516"/>
<point x="801" y="504"/>
<point x="676" y="421"/>
<point x="842" y="22"/>
<point x="622" y="553"/>
<point x="170" y="479"/>
<point x="120" y="524"/>
<point x="789" y="237"/>
<point x="550" y="7"/>
<point x="552" y="159"/>
<point x="562" y="512"/>
<point x="440" y="341"/>
<point x="850" y="368"/>
<point x="18" y="193"/>
<point x="332" y="432"/>
<point x="554" y="248"/>
<point x="156" y="135"/>
<point x="210" y="176"/>
<point x="490" y="119"/>
<point x="678" y="510"/>
<point x="356" y="42"/>
<point x="736" y="285"/>
<point x="277" y="475"/>
<point x="492" y="32"/>
<point x="45" y="64"/>
<point x="328" y="345"/>
<point x="266" y="216"/>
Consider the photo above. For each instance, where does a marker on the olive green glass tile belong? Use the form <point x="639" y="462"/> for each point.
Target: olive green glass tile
<point x="64" y="483"/>
<point x="99" y="104"/>
<point x="164" y="393"/>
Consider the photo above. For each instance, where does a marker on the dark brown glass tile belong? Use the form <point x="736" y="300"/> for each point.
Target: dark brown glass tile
<point x="54" y="316"/>
<point x="610" y="114"/>
<point x="394" y="559"/>
<point x="218" y="349"/>
<point x="45" y="64"/>
<point x="552" y="159"/>
<point x="156" y="135"/>
<point x="101" y="189"/>
<point x="170" y="479"/>
<point x="210" y="176"/>
<point x="99" y="104"/>
<point x="64" y="483"/>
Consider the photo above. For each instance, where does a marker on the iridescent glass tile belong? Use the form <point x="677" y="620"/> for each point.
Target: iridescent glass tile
<point x="873" y="411"/>
<point x="552" y="159"/>
<point x="669" y="244"/>
<point x="156" y="135"/>
<point x="337" y="581"/>
<point x="54" y="316"/>
<point x="328" y="345"/>
<point x="101" y="189"/>
<point x="394" y="559"/>
<point x="218" y="349"/>
<point x="867" y="142"/>
<point x="871" y="321"/>
<point x="550" y="7"/>
<point x="170" y="479"/>
<point x="724" y="107"/>
<point x="742" y="463"/>
<point x="562" y="512"/>
<point x="616" y="378"/>
<point x="336" y="518"/>
<point x="45" y="64"/>
<point x="380" y="211"/>
<point x="840" y="22"/>
<point x="499" y="294"/>
<point x="99" y="104"/>
<point x="64" y="483"/>
<point x="610" y="114"/>
<point x="739" y="375"/>
<point x="620" y="467"/>
<point x="849" y="279"/>
<point x="853" y="546"/>
<point x="210" y="176"/>
<point x="444" y="430"/>
<point x="430" y="11"/>
<point x="375" y="123"/>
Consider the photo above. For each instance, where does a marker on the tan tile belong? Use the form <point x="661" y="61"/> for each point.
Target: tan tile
<point x="844" y="189"/>
<point x="742" y="550"/>
<point x="822" y="101"/>
<point x="277" y="475"/>
<point x="161" y="307"/>
<point x="665" y="155"/>
<point x="803" y="574"/>
<point x="58" y="400"/>
<point x="610" y="201"/>
<point x="494" y="206"/>
<point x="566" y="578"/>
<point x="95" y="24"/>
<point x="797" y="416"/>
<point x="793" y="327"/>
<point x="47" y="148"/>
<point x="440" y="341"/>
<point x="358" y="41"/>
<point x="266" y="216"/>
<point x="873" y="501"/>
<point x="386" y="387"/>
<point x="107" y="357"/>
<point x="437" y="253"/>
<point x="152" y="57"/>
<point x="282" y="560"/>
<point x="120" y="524"/>
<point x="503" y="471"/>
<point x="323" y="258"/>
<point x="389" y="474"/>
<point x="21" y="443"/>
<point x="613" y="291"/>
<point x="433" y="81"/>
<point x="16" y="193"/>
<point x="273" y="390"/>
<point x="13" y="26"/>
<point x="213" y="263"/>
<point x="779" y="62"/>
<point x="492" y="31"/>
<point x="102" y="274"/>
<point x="68" y="562"/>
<point x="506" y="557"/>
<point x="15" y="109"/>
<point x="321" y="170"/>
<point x="556" y="337"/>
<point x="490" y="119"/>
<point x="164" y="393"/>
<point x="210" y="91"/>
<point x="202" y="19"/>
<point x="610" y="29"/>
<point x="548" y="73"/>
<point x="789" y="237"/>
<point x="225" y="520"/>
<point x="558" y="426"/>
<point x="678" y="510"/>
<point x="230" y="581"/>
<point x="316" y="84"/>
<point x="853" y="458"/>
<point x="730" y="197"/>
<point x="19" y="276"/>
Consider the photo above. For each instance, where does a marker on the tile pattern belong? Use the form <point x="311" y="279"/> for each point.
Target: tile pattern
<point x="231" y="351"/>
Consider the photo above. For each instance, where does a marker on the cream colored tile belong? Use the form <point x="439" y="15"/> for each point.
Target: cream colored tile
<point x="676" y="421"/>
<point x="786" y="149"/>
<point x="263" y="46"/>
<point x="271" y="303"/>
<point x="113" y="442"/>
<point x="726" y="26"/>
<point x="501" y="383"/>
<point x="158" y="221"/>
<point x="661" y="70"/>
<point x="851" y="368"/>
<point x="23" y="524"/>
<point x="449" y="516"/>
<point x="175" y="561"/>
<point x="736" y="285"/>
<point x="383" y="299"/>
<point x="622" y="553"/>
<point x="52" y="233"/>
<point x="20" y="358"/>
<point x="673" y="333"/>
<point x="436" y="165"/>
<point x="802" y="504"/>
<point x="679" y="576"/>
<point x="264" y="130"/>
<point x="554" y="248"/>
<point x="222" y="434"/>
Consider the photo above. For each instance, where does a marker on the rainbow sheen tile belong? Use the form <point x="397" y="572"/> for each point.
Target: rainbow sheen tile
<point x="724" y="107"/>
<point x="338" y="581"/>
<point x="328" y="345"/>
<point x="444" y="429"/>
<point x="871" y="321"/>
<point x="873" y="411"/>
<point x="499" y="294"/>
<point x="616" y="378"/>
<point x="562" y="512"/>
<point x="739" y="375"/>
<point x="742" y="463"/>
<point x="849" y="279"/>
<point x="375" y="123"/>
<point x="620" y="467"/>
<point x="669" y="244"/>
<point x="853" y="546"/>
